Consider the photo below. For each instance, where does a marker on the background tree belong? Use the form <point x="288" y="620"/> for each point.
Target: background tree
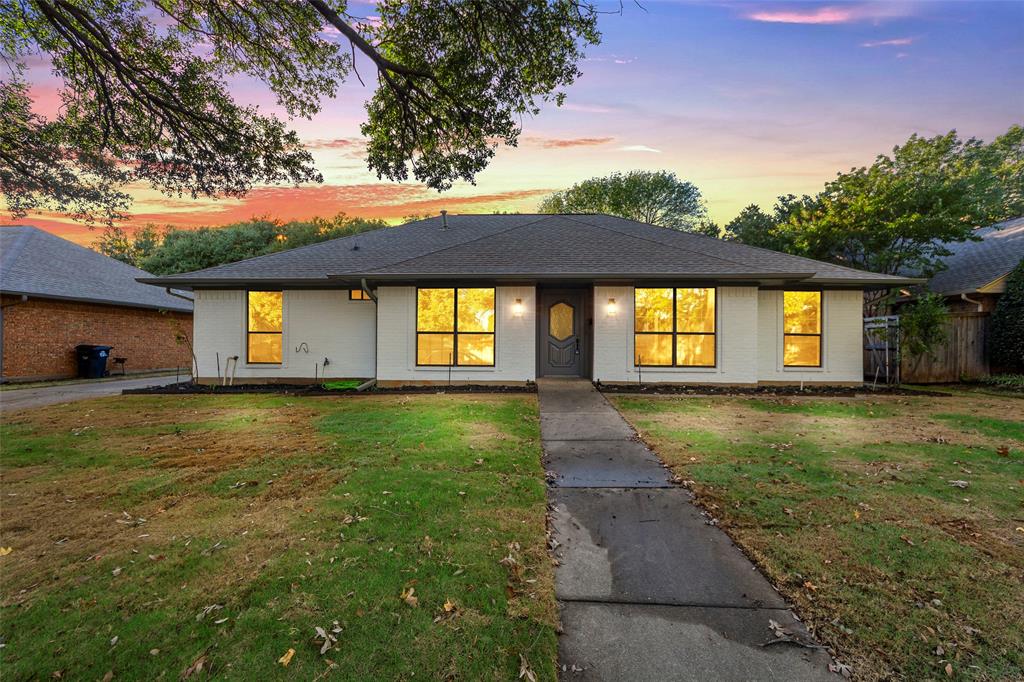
<point x="145" y="94"/>
<point x="175" y="250"/>
<point x="893" y="216"/>
<point x="1006" y="340"/>
<point x="754" y="227"/>
<point x="656" y="197"/>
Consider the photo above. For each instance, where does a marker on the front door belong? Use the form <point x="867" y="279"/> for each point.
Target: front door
<point x="561" y="331"/>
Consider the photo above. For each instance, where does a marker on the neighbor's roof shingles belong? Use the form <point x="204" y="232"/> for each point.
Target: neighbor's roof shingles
<point x="480" y="246"/>
<point x="37" y="263"/>
<point x="975" y="264"/>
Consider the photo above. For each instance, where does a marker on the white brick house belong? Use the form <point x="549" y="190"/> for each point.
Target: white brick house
<point x="504" y="299"/>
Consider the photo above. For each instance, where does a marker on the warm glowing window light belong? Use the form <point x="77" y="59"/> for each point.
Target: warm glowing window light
<point x="674" y="327"/>
<point x="801" y="328"/>
<point x="455" y="327"/>
<point x="263" y="330"/>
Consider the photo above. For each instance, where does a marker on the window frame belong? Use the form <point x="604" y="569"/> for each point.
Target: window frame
<point x="249" y="361"/>
<point x="820" y="334"/>
<point x="352" y="295"/>
<point x="674" y="333"/>
<point x="455" y="328"/>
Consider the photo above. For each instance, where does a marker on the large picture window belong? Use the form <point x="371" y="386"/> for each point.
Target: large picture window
<point x="455" y="327"/>
<point x="674" y="327"/>
<point x="801" y="328"/>
<point x="263" y="330"/>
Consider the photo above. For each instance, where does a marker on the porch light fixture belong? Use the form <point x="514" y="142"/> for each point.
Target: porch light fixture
<point x="517" y="308"/>
<point x="613" y="307"/>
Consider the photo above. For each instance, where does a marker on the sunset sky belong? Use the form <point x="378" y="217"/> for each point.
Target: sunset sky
<point x="747" y="101"/>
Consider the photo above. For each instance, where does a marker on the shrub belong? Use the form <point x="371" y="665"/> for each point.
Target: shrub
<point x="1006" y="340"/>
<point x="923" y="326"/>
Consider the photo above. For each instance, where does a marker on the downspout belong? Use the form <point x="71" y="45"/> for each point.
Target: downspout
<point x="964" y="297"/>
<point x="366" y="290"/>
<point x="23" y="299"/>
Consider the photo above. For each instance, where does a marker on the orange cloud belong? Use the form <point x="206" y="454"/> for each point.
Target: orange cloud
<point x="390" y="202"/>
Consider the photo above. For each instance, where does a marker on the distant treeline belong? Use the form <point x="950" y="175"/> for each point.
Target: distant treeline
<point x="170" y="250"/>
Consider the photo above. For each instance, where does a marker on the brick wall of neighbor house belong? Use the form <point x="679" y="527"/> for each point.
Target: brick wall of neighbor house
<point x="317" y="324"/>
<point x="40" y="335"/>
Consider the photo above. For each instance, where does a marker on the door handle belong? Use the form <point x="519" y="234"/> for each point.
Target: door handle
<point x="577" y="346"/>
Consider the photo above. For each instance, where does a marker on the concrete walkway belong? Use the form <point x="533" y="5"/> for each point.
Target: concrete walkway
<point x="24" y="398"/>
<point x="647" y="589"/>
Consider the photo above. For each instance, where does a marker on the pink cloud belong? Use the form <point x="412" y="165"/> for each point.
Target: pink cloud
<point x="830" y="14"/>
<point x="563" y="143"/>
<point x="891" y="42"/>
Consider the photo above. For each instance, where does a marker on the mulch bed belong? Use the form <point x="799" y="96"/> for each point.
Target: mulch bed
<point x="190" y="388"/>
<point x="808" y="391"/>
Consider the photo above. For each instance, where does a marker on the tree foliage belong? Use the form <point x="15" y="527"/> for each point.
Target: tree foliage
<point x="923" y="326"/>
<point x="754" y="227"/>
<point x="1006" y="340"/>
<point x="145" y="95"/>
<point x="893" y="216"/>
<point x="656" y="197"/>
<point x="175" y="250"/>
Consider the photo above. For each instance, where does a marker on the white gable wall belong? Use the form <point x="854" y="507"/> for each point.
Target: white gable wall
<point x="515" y="340"/>
<point x="325" y="320"/>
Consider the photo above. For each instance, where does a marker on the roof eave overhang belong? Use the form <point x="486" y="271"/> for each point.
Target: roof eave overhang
<point x="99" y="301"/>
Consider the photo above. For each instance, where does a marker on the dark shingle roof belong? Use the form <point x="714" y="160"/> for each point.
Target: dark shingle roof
<point x="525" y="246"/>
<point x="977" y="263"/>
<point x="37" y="263"/>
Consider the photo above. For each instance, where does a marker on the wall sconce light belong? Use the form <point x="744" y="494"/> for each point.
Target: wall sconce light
<point x="517" y="308"/>
<point x="613" y="307"/>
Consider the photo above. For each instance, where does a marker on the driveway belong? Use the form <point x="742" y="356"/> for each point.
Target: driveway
<point x="25" y="398"/>
<point x="648" y="589"/>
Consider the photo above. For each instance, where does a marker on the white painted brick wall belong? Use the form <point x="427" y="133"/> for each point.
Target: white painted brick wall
<point x="324" y="319"/>
<point x="736" y="350"/>
<point x="514" y="338"/>
<point x="842" y="341"/>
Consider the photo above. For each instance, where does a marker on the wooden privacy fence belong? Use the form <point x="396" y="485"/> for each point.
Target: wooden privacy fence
<point x="964" y="354"/>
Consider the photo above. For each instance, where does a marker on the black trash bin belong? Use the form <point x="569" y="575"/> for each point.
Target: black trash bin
<point x="92" y="360"/>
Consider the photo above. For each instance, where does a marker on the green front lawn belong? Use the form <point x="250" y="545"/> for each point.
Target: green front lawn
<point x="854" y="509"/>
<point x="154" y="536"/>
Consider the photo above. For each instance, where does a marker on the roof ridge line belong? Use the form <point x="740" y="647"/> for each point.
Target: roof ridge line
<point x="453" y="246"/>
<point x="671" y="246"/>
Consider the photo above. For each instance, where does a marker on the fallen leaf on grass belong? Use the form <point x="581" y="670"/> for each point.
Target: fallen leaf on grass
<point x="907" y="540"/>
<point x="109" y="676"/>
<point x="810" y="586"/>
<point x="287" y="658"/>
<point x="524" y="670"/>
<point x="949" y="670"/>
<point x="4" y="551"/>
<point x="959" y="484"/>
<point x="1003" y="451"/>
<point x="409" y="598"/>
<point x="196" y="668"/>
<point x="841" y="668"/>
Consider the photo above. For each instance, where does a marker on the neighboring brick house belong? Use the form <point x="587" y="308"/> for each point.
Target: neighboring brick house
<point x="55" y="295"/>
